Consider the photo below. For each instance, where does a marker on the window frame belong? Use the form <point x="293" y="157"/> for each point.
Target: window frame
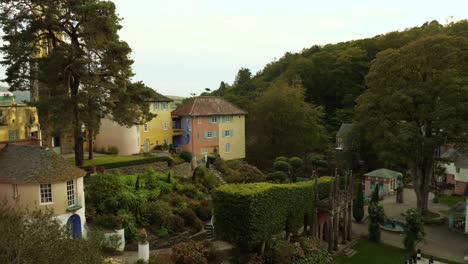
<point x="156" y="106"/>
<point x="145" y="127"/>
<point x="199" y="120"/>
<point x="227" y="147"/>
<point x="208" y="134"/>
<point x="165" y="125"/>
<point x="164" y="106"/>
<point x="49" y="195"/>
<point x="71" y="193"/>
<point x="214" y="119"/>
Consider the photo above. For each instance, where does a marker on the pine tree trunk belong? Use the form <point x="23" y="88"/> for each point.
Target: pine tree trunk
<point x="421" y="181"/>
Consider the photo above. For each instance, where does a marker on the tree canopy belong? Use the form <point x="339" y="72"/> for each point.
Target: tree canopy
<point x="417" y="101"/>
<point x="69" y="54"/>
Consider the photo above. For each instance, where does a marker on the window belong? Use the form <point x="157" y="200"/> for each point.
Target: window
<point x="210" y="134"/>
<point x="228" y="133"/>
<point x="165" y="125"/>
<point x="17" y="134"/>
<point x="46" y="193"/>
<point x="15" y="190"/>
<point x="200" y="119"/>
<point x="71" y="192"/>
<point x="166" y="141"/>
<point x="458" y="170"/>
<point x="156" y="106"/>
<point x="145" y="127"/>
<point x="163" y="106"/>
<point x="229" y="119"/>
<point x="11" y="135"/>
<point x="213" y="119"/>
<point x="227" y="148"/>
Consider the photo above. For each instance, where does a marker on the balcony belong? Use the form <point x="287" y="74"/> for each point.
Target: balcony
<point x="177" y="131"/>
<point x="75" y="204"/>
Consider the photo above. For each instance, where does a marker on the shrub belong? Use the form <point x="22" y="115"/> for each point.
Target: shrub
<point x="205" y="177"/>
<point x="358" y="205"/>
<point x="113" y="150"/>
<point x="281" y="166"/>
<point x="107" y="221"/>
<point x="161" y="232"/>
<point x="296" y="162"/>
<point x="247" y="214"/>
<point x="176" y="224"/>
<point x="277" y="176"/>
<point x="321" y="257"/>
<point x="178" y="201"/>
<point x="375" y="195"/>
<point x="376" y="218"/>
<point x="256" y="259"/>
<point x="283" y="252"/>
<point x="413" y="229"/>
<point x="203" y="210"/>
<point x="190" y="219"/>
<point x="157" y="213"/>
<point x="192" y="252"/>
<point x="186" y="156"/>
<point x="281" y="158"/>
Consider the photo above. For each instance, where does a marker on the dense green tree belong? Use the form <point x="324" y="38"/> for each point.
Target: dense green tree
<point x="70" y="54"/>
<point x="296" y="164"/>
<point x="36" y="237"/>
<point x="413" y="230"/>
<point x="375" y="195"/>
<point x="358" y="205"/>
<point x="376" y="218"/>
<point x="417" y="101"/>
<point x="284" y="124"/>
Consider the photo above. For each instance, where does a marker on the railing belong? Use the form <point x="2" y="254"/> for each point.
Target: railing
<point x="177" y="131"/>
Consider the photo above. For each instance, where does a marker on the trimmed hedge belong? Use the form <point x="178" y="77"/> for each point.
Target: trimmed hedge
<point x="113" y="165"/>
<point x="249" y="214"/>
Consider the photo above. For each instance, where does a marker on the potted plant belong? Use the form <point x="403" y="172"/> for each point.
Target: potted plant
<point x="143" y="245"/>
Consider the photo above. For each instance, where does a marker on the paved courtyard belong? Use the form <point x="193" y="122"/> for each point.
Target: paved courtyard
<point x="440" y="241"/>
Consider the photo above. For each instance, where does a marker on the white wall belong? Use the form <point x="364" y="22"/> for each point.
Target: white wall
<point x="450" y="168"/>
<point x="113" y="134"/>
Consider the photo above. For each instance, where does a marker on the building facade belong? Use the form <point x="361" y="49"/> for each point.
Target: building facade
<point x="18" y="122"/>
<point x="140" y="138"/>
<point x="384" y="178"/>
<point x="210" y="126"/>
<point x="35" y="177"/>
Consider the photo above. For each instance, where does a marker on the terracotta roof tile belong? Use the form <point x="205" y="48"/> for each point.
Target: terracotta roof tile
<point x="32" y="164"/>
<point x="207" y="105"/>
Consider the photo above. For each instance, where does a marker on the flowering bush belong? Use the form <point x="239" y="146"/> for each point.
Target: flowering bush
<point x="192" y="252"/>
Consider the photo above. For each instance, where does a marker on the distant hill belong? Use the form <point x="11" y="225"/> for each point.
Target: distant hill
<point x="21" y="96"/>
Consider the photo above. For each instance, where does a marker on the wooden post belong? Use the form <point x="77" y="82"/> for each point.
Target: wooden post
<point x="330" y="234"/>
<point x="336" y="210"/>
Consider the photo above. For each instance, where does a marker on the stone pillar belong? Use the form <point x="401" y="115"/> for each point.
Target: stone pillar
<point x="331" y="234"/>
<point x="349" y="223"/>
<point x="345" y="224"/>
<point x="336" y="231"/>
<point x="466" y="215"/>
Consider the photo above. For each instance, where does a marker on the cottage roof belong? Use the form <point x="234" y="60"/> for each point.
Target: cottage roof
<point x="32" y="164"/>
<point x="207" y="105"/>
<point x="383" y="173"/>
<point x="460" y="159"/>
<point x="344" y="129"/>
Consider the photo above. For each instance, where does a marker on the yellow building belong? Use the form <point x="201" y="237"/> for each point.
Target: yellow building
<point x="18" y="122"/>
<point x="232" y="137"/>
<point x="35" y="177"/>
<point x="139" y="138"/>
<point x="158" y="131"/>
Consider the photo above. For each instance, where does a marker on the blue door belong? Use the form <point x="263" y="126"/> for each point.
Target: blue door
<point x="74" y="223"/>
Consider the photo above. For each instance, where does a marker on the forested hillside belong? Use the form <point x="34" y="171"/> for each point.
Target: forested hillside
<point x="328" y="78"/>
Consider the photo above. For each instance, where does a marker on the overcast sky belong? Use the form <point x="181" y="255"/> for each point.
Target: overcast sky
<point x="183" y="46"/>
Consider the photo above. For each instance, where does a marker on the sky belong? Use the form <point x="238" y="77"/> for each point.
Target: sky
<point x="184" y="46"/>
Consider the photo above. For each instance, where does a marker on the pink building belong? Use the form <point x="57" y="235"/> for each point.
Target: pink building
<point x="384" y="178"/>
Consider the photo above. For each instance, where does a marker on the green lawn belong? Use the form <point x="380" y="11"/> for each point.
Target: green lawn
<point x="369" y="252"/>
<point x="451" y="200"/>
<point x="99" y="160"/>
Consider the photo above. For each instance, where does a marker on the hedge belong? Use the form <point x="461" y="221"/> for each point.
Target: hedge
<point x="249" y="214"/>
<point x="128" y="163"/>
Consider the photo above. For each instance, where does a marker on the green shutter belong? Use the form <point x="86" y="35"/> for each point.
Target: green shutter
<point x="205" y="134"/>
<point x="214" y="134"/>
<point x="224" y="119"/>
<point x="232" y="132"/>
<point x="210" y="119"/>
<point x="222" y="133"/>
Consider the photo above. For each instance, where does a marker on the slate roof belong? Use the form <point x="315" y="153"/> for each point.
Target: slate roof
<point x="344" y="129"/>
<point x="460" y="159"/>
<point x="383" y="173"/>
<point x="32" y="164"/>
<point x="207" y="105"/>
